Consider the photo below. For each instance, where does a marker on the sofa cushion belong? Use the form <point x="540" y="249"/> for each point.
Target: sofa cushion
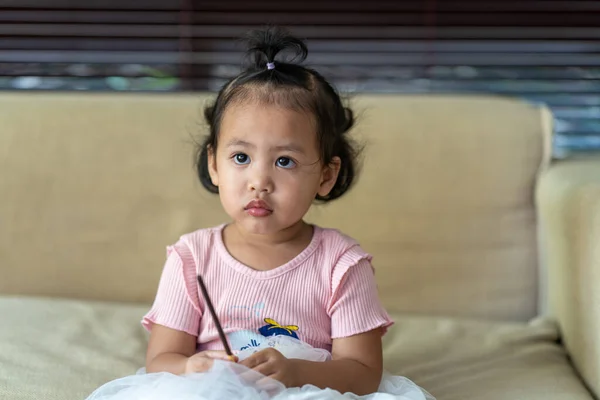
<point x="56" y="349"/>
<point x="466" y="359"/>
<point x="445" y="193"/>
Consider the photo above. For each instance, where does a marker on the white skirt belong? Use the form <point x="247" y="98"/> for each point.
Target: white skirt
<point x="230" y="381"/>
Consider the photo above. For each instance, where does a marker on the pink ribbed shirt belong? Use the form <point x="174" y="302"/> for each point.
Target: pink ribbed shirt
<point x="327" y="291"/>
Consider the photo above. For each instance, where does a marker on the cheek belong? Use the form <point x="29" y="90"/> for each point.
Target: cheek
<point x="230" y="184"/>
<point x="303" y="185"/>
<point x="229" y="175"/>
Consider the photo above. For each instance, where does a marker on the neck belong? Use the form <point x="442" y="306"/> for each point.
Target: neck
<point x="290" y="234"/>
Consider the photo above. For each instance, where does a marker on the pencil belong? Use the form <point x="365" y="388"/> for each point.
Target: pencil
<point x="215" y="318"/>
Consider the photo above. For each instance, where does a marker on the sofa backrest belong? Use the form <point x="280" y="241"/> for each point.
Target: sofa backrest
<point x="93" y="187"/>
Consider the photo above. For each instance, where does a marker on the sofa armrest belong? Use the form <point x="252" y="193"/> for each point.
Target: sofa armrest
<point x="568" y="198"/>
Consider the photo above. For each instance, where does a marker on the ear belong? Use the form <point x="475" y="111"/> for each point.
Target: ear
<point x="212" y="165"/>
<point x="329" y="176"/>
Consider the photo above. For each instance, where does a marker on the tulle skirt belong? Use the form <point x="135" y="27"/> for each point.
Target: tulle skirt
<point x="226" y="380"/>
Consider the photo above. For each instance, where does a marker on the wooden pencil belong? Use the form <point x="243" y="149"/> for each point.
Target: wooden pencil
<point x="209" y="304"/>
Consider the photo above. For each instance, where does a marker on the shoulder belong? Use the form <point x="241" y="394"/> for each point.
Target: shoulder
<point x="335" y="237"/>
<point x="340" y="253"/>
<point x="193" y="248"/>
<point x="340" y="247"/>
<point x="200" y="237"/>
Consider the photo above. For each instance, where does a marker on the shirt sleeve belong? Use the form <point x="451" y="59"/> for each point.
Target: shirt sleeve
<point x="176" y="305"/>
<point x="355" y="306"/>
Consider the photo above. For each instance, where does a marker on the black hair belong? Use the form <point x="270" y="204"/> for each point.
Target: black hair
<point x="286" y="83"/>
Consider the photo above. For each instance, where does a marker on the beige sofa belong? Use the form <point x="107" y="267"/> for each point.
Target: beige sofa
<point x="487" y="252"/>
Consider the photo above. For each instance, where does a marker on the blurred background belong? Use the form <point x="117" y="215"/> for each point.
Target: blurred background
<point x="541" y="50"/>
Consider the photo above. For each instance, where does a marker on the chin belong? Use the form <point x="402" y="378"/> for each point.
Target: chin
<point x="258" y="226"/>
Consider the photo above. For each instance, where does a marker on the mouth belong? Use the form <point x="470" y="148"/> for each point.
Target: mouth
<point x="258" y="208"/>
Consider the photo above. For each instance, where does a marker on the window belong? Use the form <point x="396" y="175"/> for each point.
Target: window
<point x="540" y="50"/>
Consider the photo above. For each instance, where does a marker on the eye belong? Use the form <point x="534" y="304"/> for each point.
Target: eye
<point x="241" y="158"/>
<point x="285" y="162"/>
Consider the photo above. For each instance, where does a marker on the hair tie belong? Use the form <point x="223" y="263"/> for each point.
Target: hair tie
<point x="271" y="65"/>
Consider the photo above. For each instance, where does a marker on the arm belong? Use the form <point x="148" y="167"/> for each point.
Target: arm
<point x="174" y="320"/>
<point x="174" y="351"/>
<point x="168" y="350"/>
<point x="356" y="365"/>
<point x="568" y="197"/>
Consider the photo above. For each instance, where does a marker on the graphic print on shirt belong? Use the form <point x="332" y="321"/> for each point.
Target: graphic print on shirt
<point x="245" y="339"/>
<point x="243" y="313"/>
<point x="273" y="329"/>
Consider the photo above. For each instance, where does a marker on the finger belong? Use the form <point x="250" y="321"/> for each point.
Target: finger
<point x="254" y="360"/>
<point x="265" y="369"/>
<point x="217" y="355"/>
<point x="233" y="358"/>
<point x="251" y="376"/>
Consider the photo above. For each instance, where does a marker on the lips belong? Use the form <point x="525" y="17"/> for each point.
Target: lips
<point x="258" y="208"/>
<point x="258" y="204"/>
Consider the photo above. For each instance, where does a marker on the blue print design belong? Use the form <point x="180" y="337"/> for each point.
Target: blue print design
<point x="253" y="343"/>
<point x="273" y="329"/>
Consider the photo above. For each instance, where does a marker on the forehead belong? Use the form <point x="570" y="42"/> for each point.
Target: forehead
<point x="263" y="123"/>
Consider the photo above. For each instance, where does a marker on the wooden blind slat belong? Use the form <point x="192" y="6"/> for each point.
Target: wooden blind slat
<point x="540" y="50"/>
<point x="316" y="45"/>
<point x="208" y="57"/>
<point x="510" y="6"/>
<point x="308" y="32"/>
<point x="382" y="17"/>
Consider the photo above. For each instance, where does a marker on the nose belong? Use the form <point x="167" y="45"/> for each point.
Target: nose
<point x="260" y="180"/>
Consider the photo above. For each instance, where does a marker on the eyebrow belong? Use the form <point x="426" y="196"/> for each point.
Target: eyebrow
<point x="239" y="142"/>
<point x="291" y="148"/>
<point x="288" y="147"/>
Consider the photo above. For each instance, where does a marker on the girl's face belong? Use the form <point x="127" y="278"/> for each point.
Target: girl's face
<point x="268" y="167"/>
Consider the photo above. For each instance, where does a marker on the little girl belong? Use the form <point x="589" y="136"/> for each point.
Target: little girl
<point x="298" y="303"/>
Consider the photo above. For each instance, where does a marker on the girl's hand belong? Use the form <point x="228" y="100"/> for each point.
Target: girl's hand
<point x="203" y="361"/>
<point x="273" y="364"/>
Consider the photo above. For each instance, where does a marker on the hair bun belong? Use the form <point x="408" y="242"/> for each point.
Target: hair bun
<point x="265" y="44"/>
